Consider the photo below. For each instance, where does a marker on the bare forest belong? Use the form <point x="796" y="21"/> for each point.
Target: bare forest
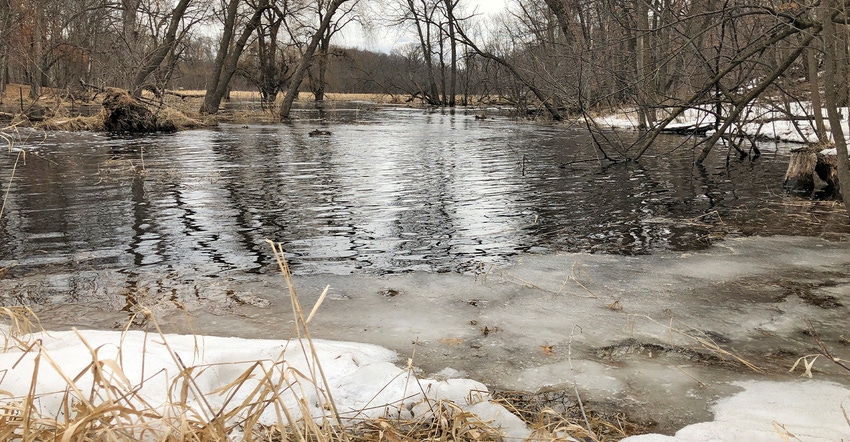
<point x="555" y="59"/>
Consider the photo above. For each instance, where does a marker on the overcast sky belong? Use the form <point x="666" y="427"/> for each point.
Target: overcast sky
<point x="386" y="40"/>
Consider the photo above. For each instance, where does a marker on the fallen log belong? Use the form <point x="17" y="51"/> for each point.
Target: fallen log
<point x="182" y="95"/>
<point x="687" y="129"/>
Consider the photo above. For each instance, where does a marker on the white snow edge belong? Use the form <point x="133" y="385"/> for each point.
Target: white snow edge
<point x="366" y="383"/>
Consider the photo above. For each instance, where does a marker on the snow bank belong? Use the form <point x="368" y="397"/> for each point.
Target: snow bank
<point x="226" y="372"/>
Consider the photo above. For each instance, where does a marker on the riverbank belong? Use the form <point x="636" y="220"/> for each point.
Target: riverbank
<point x="81" y="110"/>
<point x="57" y="110"/>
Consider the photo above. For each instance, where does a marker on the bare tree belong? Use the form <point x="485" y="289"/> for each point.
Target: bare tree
<point x="422" y="15"/>
<point x="268" y="66"/>
<point x="452" y="25"/>
<point x="525" y="76"/>
<point x="229" y="52"/>
<point x="318" y="69"/>
<point x="6" y="18"/>
<point x="155" y="58"/>
<point x="831" y="43"/>
<point x="306" y="58"/>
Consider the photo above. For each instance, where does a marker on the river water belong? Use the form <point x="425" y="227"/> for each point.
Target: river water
<point x="387" y="191"/>
<point x="481" y="241"/>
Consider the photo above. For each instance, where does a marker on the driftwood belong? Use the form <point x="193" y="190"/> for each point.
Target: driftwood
<point x="812" y="170"/>
<point x="687" y="129"/>
<point x="126" y="114"/>
<point x="181" y="95"/>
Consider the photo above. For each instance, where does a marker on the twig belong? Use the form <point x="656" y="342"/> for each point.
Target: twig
<point x="575" y="278"/>
<point x="12" y="176"/>
<point x="575" y="382"/>
<point x="700" y="383"/>
<point x="825" y="351"/>
<point x="527" y="283"/>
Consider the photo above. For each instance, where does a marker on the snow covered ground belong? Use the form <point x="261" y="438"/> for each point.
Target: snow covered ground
<point x="772" y="411"/>
<point x="364" y="381"/>
<point x="768" y="123"/>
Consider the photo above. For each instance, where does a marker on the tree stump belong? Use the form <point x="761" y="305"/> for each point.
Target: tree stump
<point x="125" y="114"/>
<point x="813" y="171"/>
<point x="800" y="176"/>
<point x="827" y="170"/>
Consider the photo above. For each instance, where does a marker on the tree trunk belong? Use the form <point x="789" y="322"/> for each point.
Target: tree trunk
<point x="831" y="88"/>
<point x="5" y="30"/>
<point x="155" y="58"/>
<point x="306" y="58"/>
<point x="321" y="68"/>
<point x="128" y="21"/>
<point x="425" y="45"/>
<point x="35" y="58"/>
<point x="814" y="92"/>
<point x="646" y="111"/>
<point x="212" y="98"/>
<point x="228" y="57"/>
<point x="450" y="4"/>
<point x="271" y="71"/>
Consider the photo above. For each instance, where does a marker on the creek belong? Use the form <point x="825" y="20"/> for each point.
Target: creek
<point x="394" y="191"/>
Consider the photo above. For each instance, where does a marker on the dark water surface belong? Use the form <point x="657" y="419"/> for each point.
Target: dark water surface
<point x="392" y="191"/>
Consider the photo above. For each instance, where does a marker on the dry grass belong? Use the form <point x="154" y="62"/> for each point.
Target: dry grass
<point x="91" y="123"/>
<point x="6" y="135"/>
<point x="178" y="119"/>
<point x="556" y="416"/>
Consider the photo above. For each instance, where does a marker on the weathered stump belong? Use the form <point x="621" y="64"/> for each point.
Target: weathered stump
<point x="800" y="176"/>
<point x="827" y="170"/>
<point x="812" y="171"/>
<point x="125" y="114"/>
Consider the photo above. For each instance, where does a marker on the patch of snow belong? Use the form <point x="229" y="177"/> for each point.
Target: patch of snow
<point x="768" y="124"/>
<point x="364" y="381"/>
<point x="811" y="411"/>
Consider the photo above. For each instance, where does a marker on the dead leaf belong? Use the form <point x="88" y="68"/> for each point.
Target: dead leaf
<point x="451" y="341"/>
<point x="547" y="349"/>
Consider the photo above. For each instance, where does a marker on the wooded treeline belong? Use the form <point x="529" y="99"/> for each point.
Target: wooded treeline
<point x="564" y="57"/>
